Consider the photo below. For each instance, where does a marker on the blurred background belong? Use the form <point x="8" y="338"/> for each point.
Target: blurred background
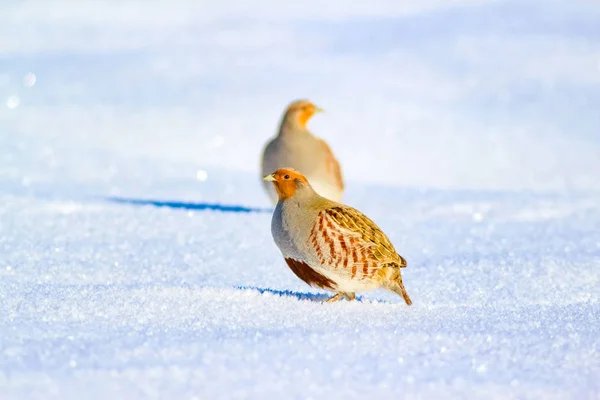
<point x="117" y="96"/>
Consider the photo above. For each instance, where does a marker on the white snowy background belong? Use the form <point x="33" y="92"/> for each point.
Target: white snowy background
<point x="136" y="259"/>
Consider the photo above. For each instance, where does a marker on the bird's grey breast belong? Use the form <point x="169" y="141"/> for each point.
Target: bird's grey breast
<point x="280" y="234"/>
<point x="302" y="152"/>
<point x="281" y="231"/>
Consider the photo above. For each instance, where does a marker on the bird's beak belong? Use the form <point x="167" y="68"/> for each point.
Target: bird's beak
<point x="269" y="178"/>
<point x="318" y="110"/>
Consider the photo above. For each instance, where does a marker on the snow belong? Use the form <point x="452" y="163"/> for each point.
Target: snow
<point x="136" y="259"/>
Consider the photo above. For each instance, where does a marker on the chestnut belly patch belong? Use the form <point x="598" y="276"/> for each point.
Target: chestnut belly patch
<point x="309" y="275"/>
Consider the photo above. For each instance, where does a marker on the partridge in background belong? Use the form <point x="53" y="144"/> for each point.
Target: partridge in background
<point x="296" y="147"/>
<point x="330" y="245"/>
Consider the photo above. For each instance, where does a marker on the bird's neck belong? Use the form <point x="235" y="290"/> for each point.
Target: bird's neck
<point x="298" y="215"/>
<point x="293" y="126"/>
<point x="304" y="198"/>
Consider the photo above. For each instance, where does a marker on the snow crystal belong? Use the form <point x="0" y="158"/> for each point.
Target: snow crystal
<point x="13" y="102"/>
<point x="29" y="79"/>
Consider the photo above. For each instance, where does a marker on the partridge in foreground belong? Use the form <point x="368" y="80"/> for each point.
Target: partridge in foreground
<point x="330" y="245"/>
<point x="296" y="147"/>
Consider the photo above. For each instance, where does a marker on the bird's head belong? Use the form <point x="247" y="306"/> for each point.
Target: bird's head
<point x="287" y="182"/>
<point x="300" y="111"/>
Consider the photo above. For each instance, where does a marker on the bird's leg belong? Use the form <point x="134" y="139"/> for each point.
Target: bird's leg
<point x="339" y="296"/>
<point x="334" y="298"/>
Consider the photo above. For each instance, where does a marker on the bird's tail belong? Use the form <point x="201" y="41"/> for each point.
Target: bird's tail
<point x="402" y="263"/>
<point x="396" y="285"/>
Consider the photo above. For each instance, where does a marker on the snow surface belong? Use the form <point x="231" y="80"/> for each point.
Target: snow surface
<point x="136" y="259"/>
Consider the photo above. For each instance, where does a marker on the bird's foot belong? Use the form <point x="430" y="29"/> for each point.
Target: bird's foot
<point x="339" y="296"/>
<point x="334" y="298"/>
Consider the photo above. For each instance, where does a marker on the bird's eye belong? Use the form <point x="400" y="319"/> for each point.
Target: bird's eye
<point x="286" y="177"/>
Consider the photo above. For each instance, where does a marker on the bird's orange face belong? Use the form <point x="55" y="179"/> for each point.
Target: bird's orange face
<point x="303" y="110"/>
<point x="286" y="181"/>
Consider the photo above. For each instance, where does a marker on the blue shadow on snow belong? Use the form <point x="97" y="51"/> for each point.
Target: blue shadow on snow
<point x="189" y="206"/>
<point x="318" y="297"/>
